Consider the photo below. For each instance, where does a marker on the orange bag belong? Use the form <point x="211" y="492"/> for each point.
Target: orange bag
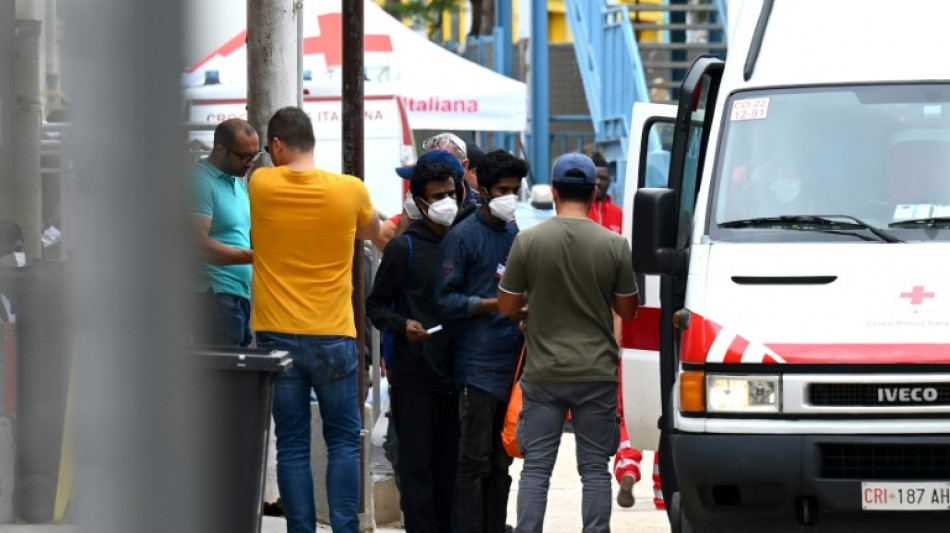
<point x="509" y="433"/>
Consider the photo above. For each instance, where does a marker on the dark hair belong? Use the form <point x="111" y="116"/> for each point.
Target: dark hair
<point x="424" y="173"/>
<point x="225" y="134"/>
<point x="598" y="159"/>
<point x="499" y="164"/>
<point x="10" y="235"/>
<point x="574" y="192"/>
<point x="293" y="127"/>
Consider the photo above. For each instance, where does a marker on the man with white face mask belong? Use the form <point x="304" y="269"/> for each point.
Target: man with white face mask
<point x="11" y="255"/>
<point x="422" y="389"/>
<point x="487" y="344"/>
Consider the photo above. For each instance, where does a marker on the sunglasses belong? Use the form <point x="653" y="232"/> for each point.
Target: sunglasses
<point x="442" y="143"/>
<point x="246" y="158"/>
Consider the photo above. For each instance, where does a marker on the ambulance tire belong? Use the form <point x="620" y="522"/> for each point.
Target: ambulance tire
<point x="678" y="521"/>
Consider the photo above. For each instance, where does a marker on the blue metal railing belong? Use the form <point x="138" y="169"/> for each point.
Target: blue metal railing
<point x="624" y="79"/>
<point x="561" y="142"/>
<point x="589" y="56"/>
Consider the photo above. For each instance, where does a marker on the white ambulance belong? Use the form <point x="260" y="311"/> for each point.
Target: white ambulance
<point x="387" y="135"/>
<point x="797" y="271"/>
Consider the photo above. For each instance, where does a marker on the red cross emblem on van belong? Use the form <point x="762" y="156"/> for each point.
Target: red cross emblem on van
<point x="917" y="295"/>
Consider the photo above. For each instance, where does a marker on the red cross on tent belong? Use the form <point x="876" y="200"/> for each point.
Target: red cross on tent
<point x="329" y="43"/>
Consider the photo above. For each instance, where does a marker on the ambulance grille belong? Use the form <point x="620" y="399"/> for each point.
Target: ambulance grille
<point x="885" y="461"/>
<point x="878" y="394"/>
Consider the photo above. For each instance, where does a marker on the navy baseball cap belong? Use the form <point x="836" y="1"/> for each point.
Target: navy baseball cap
<point x="435" y="156"/>
<point x="475" y="155"/>
<point x="577" y="162"/>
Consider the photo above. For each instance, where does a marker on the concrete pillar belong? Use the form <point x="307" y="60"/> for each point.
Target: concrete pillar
<point x="271" y="60"/>
<point x="7" y="106"/>
<point x="51" y="37"/>
<point x="138" y="441"/>
<point x="28" y="196"/>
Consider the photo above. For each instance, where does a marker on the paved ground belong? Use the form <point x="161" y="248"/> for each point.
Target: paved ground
<point x="564" y="501"/>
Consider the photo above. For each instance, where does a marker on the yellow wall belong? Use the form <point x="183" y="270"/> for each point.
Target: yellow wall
<point x="559" y="30"/>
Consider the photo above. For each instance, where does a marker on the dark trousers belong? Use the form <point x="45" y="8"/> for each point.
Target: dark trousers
<point x="225" y="320"/>
<point x="427" y="426"/>
<point x="483" y="480"/>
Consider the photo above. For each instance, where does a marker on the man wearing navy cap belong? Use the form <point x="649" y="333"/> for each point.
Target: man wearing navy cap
<point x="575" y="272"/>
<point x="447" y="142"/>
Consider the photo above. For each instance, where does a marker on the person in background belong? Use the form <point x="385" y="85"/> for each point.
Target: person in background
<point x="609" y="215"/>
<point x="572" y="273"/>
<point x="11" y="256"/>
<point x="453" y="144"/>
<point x="487" y="345"/>
<point x="475" y="157"/>
<point x="305" y="222"/>
<point x="222" y="221"/>
<point x="423" y="398"/>
<point x="603" y="210"/>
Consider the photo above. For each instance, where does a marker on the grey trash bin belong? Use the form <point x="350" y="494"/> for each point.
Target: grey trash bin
<point x="237" y="392"/>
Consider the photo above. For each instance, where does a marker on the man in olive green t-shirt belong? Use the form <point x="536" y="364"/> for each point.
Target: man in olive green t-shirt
<point x="575" y="272"/>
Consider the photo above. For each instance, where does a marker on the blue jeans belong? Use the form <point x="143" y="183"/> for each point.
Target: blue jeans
<point x="593" y="407"/>
<point x="328" y="366"/>
<point x="226" y="320"/>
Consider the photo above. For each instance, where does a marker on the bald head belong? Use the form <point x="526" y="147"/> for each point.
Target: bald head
<point x="226" y="132"/>
<point x="236" y="147"/>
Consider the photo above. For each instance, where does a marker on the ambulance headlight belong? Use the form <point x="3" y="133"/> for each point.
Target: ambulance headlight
<point x="742" y="394"/>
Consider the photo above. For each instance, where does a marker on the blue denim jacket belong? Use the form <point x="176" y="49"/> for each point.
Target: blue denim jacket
<point x="473" y="256"/>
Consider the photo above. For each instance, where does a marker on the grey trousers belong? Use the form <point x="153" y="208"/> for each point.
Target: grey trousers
<point x="593" y="407"/>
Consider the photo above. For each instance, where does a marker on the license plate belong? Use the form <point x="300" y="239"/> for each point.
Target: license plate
<point x="908" y="496"/>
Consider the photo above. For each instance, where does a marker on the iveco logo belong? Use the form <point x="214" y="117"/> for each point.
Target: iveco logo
<point x="906" y="394"/>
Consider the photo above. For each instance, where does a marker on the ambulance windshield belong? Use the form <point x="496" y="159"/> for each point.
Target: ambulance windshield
<point x="879" y="154"/>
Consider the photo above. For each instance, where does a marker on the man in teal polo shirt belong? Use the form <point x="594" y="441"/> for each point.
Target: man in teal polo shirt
<point x="222" y="220"/>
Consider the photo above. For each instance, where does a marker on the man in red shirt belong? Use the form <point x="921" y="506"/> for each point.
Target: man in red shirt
<point x="603" y="210"/>
<point x="627" y="461"/>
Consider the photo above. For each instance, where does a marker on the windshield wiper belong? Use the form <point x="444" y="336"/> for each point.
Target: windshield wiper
<point x="825" y="220"/>
<point x="929" y="221"/>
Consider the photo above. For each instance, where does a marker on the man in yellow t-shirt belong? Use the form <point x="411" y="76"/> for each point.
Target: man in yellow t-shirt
<point x="304" y="225"/>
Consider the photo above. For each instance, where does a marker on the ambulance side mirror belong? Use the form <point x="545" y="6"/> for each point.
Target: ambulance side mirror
<point x="654" y="233"/>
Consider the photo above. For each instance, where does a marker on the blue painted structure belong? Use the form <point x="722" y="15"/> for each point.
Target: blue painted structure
<point x="612" y="73"/>
<point x="539" y="153"/>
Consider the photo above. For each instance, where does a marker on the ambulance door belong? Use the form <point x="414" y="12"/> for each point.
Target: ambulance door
<point x="662" y="218"/>
<point x="651" y="136"/>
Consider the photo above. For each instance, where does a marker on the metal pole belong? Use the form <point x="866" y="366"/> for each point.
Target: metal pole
<point x="540" y="107"/>
<point x="503" y="48"/>
<point x="298" y="13"/>
<point x="375" y="372"/>
<point x="29" y="115"/>
<point x="353" y="165"/>
<point x="271" y="61"/>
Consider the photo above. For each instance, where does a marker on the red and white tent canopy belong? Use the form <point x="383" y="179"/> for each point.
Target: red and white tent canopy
<point x="441" y="90"/>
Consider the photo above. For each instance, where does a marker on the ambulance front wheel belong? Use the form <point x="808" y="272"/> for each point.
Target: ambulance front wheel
<point x="678" y="521"/>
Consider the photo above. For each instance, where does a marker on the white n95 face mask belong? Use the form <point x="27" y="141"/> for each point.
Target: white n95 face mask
<point x="443" y="212"/>
<point x="411" y="208"/>
<point x="503" y="207"/>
